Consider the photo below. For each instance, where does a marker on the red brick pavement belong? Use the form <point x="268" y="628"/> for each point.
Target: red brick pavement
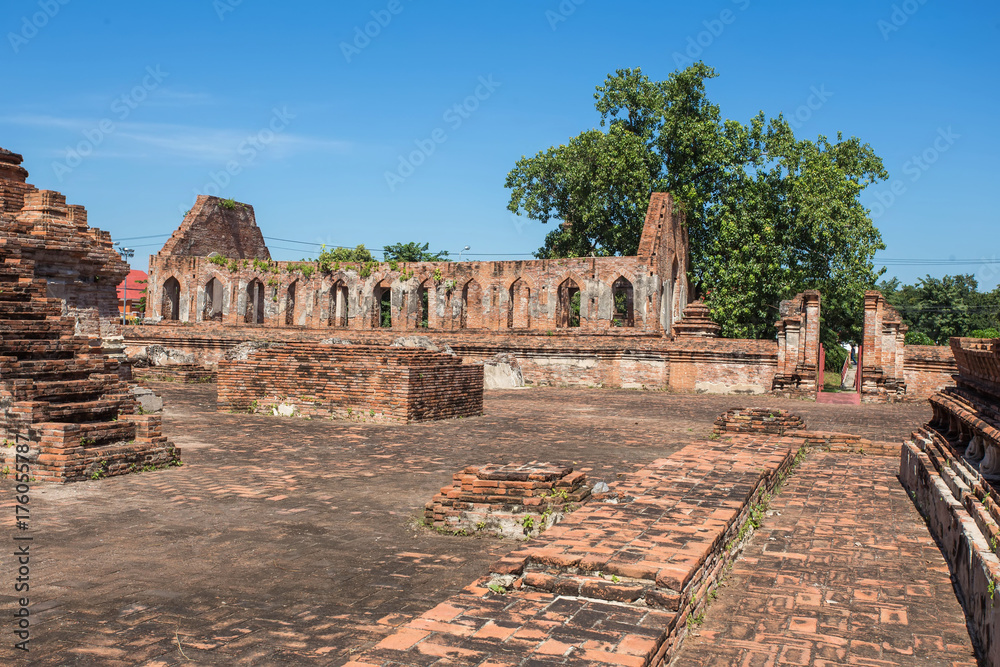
<point x="842" y="572"/>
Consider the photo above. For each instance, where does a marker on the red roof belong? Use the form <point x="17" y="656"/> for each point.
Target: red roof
<point x="134" y="286"/>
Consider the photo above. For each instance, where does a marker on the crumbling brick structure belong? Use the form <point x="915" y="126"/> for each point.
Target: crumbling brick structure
<point x="352" y="381"/>
<point x="646" y="293"/>
<point x="799" y="369"/>
<point x="891" y="370"/>
<point x="60" y="395"/>
<point x="758" y="420"/>
<point x="79" y="263"/>
<point x="512" y="500"/>
<point x="951" y="467"/>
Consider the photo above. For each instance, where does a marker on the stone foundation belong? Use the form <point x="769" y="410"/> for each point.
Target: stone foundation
<point x="517" y="501"/>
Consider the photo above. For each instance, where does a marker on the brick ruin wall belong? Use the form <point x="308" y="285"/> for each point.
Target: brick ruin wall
<point x="951" y="467"/>
<point x="799" y="371"/>
<point x="893" y="371"/>
<point x="351" y="382"/>
<point x="490" y="296"/>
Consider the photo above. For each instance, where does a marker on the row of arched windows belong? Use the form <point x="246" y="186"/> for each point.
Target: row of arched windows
<point x="469" y="311"/>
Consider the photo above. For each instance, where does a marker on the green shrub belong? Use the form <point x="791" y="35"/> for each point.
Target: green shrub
<point x="985" y="333"/>
<point x="835" y="358"/>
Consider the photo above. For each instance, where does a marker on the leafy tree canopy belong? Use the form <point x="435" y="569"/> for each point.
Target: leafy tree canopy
<point x="413" y="252"/>
<point x="936" y="309"/>
<point x="768" y="215"/>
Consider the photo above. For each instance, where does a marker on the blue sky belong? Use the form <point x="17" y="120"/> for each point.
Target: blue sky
<point x="265" y="104"/>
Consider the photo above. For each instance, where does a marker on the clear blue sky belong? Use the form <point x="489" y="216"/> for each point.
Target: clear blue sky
<point x="162" y="96"/>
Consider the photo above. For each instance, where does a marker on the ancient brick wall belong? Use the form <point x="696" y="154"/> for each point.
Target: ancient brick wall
<point x="537" y="295"/>
<point x="927" y="370"/>
<point x="352" y="382"/>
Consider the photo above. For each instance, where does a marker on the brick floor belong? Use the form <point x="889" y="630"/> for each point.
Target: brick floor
<point x="287" y="541"/>
<point x="842" y="572"/>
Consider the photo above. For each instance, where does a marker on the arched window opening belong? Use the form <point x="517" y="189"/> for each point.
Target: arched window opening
<point x="290" y="304"/>
<point x="382" y="306"/>
<point x="472" y="306"/>
<point x="568" y="305"/>
<point x="518" y="306"/>
<point x="170" y="308"/>
<point x="213" y="301"/>
<point x="254" y="313"/>
<point x="624" y="306"/>
<point x="423" y="306"/>
<point x="338" y="305"/>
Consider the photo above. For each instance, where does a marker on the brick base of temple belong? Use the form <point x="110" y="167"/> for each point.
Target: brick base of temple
<point x="351" y="382"/>
<point x="758" y="420"/>
<point x="951" y="467"/>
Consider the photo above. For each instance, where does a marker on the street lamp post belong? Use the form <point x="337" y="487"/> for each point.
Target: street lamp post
<point x="465" y="249"/>
<point x="126" y="254"/>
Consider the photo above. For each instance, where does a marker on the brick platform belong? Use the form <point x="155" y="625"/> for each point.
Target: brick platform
<point x="352" y="382"/>
<point x="511" y="500"/>
<point x="616" y="581"/>
<point x="758" y="420"/>
<point x="843" y="572"/>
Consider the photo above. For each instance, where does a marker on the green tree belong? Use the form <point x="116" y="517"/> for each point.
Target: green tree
<point x="412" y="252"/>
<point x="939" y="308"/>
<point x="768" y="215"/>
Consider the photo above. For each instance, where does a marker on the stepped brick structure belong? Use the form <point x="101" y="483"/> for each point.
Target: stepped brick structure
<point x="61" y="397"/>
<point x="697" y="322"/>
<point x="352" y="381"/>
<point x="511" y="500"/>
<point x="78" y="263"/>
<point x="951" y="467"/>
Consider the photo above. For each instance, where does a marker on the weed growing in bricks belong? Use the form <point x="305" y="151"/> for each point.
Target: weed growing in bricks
<point x="498" y="589"/>
<point x="228" y="204"/>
